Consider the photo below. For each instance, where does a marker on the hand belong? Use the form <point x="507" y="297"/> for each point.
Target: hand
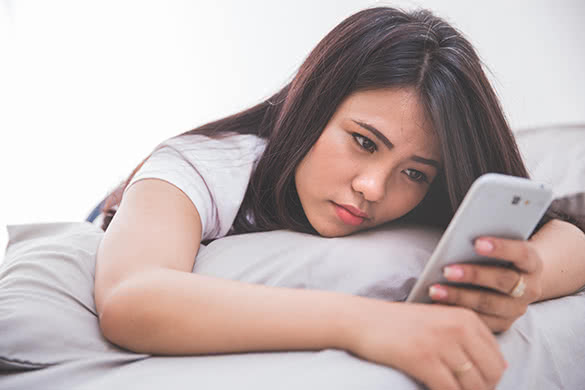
<point x="497" y="308"/>
<point x="443" y="347"/>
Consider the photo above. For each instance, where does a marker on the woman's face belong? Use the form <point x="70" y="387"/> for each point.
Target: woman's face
<point x="373" y="163"/>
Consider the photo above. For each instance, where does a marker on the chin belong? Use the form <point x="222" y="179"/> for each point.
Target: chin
<point x="333" y="230"/>
<point x="328" y="226"/>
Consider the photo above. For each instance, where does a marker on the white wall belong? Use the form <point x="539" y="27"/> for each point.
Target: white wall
<point x="87" y="88"/>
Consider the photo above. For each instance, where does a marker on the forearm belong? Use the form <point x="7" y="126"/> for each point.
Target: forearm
<point x="562" y="248"/>
<point x="165" y="311"/>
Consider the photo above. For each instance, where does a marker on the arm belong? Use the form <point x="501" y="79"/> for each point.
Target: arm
<point x="148" y="299"/>
<point x="191" y="314"/>
<point x="561" y="246"/>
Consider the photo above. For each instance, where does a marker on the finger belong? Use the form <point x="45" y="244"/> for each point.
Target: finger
<point x="497" y="278"/>
<point x="437" y="377"/>
<point x="489" y="362"/>
<point x="521" y="253"/>
<point x="481" y="301"/>
<point x="472" y="378"/>
<point x="486" y="331"/>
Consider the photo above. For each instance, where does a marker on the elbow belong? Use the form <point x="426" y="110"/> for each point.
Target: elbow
<point x="113" y="318"/>
<point x="120" y="321"/>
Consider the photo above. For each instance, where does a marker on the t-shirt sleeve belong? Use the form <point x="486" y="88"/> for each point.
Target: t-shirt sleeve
<point x="213" y="173"/>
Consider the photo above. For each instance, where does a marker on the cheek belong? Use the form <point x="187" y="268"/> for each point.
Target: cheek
<point x="414" y="201"/>
<point x="301" y="178"/>
<point x="402" y="201"/>
<point x="309" y="177"/>
<point x="326" y="163"/>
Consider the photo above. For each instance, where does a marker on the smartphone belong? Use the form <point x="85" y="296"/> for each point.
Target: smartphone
<point x="496" y="205"/>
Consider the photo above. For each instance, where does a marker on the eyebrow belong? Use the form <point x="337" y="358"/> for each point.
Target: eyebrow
<point x="381" y="137"/>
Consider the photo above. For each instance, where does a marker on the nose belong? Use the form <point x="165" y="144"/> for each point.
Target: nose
<point x="371" y="184"/>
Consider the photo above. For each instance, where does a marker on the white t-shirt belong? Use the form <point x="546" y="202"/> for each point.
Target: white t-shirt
<point x="213" y="173"/>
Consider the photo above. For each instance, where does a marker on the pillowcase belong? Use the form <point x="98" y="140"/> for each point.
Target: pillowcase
<point x="555" y="155"/>
<point x="47" y="311"/>
<point x="380" y="263"/>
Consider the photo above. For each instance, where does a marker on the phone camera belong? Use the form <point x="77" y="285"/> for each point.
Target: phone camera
<point x="515" y="200"/>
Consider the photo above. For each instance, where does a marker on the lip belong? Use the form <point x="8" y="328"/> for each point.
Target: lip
<point x="347" y="216"/>
<point x="354" y="210"/>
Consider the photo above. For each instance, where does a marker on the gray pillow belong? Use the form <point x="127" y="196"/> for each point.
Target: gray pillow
<point x="47" y="311"/>
<point x="555" y="155"/>
<point x="381" y="263"/>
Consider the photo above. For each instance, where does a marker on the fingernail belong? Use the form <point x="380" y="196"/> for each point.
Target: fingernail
<point x="437" y="292"/>
<point x="484" y="246"/>
<point x="453" y="272"/>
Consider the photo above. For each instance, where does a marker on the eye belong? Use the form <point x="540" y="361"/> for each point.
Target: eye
<point x="364" y="142"/>
<point x="416" y="176"/>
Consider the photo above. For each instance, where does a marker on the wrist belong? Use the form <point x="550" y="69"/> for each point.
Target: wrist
<point x="352" y="321"/>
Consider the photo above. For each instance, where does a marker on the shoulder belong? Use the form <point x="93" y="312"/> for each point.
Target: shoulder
<point x="243" y="146"/>
<point x="214" y="172"/>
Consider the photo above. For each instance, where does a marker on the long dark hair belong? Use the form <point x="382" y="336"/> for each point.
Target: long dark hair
<point x="375" y="48"/>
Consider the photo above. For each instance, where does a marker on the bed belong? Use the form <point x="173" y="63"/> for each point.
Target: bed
<point x="50" y="337"/>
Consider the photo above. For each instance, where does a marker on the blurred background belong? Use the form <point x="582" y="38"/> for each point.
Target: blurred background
<point x="88" y="88"/>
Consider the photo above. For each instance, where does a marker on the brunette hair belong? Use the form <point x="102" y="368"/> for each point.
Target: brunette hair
<point x="375" y="48"/>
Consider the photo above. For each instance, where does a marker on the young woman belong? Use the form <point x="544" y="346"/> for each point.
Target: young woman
<point x="390" y="117"/>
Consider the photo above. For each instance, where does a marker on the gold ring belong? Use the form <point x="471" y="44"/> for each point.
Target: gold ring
<point x="518" y="289"/>
<point x="462" y="369"/>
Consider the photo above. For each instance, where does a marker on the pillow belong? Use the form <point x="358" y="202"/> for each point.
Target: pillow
<point x="381" y="263"/>
<point x="555" y="155"/>
<point x="47" y="311"/>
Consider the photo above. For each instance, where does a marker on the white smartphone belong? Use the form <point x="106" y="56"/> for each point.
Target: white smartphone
<point x="496" y="205"/>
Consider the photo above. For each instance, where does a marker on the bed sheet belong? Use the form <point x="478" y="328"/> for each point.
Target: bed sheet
<point x="546" y="348"/>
